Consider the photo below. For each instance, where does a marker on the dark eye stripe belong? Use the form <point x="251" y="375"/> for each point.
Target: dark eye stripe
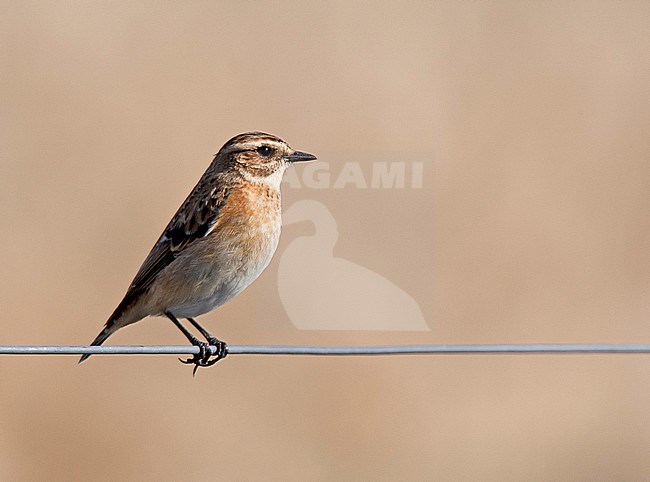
<point x="258" y="149"/>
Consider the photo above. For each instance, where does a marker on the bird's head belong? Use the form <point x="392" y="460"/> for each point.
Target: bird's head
<point x="260" y="157"/>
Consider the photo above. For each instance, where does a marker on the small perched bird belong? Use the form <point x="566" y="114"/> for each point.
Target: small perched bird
<point x="219" y="241"/>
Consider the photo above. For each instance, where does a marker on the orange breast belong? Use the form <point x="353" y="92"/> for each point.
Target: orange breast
<point x="251" y="218"/>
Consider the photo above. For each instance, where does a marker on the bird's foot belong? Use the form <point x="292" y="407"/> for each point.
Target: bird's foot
<point x="203" y="357"/>
<point x="220" y="353"/>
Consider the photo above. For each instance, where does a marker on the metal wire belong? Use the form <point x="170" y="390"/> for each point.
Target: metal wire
<point x="329" y="350"/>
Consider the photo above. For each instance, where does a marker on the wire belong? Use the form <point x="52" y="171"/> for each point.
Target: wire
<point x="328" y="350"/>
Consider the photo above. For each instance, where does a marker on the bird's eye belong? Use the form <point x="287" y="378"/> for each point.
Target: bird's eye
<point x="264" y="151"/>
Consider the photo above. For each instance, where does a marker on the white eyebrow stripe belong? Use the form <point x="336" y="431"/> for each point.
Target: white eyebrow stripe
<point x="257" y="143"/>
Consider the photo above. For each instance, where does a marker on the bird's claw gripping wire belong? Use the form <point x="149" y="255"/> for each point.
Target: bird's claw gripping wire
<point x="221" y="350"/>
<point x="203" y="357"/>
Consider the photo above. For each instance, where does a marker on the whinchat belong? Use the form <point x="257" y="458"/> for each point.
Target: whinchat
<point x="219" y="241"/>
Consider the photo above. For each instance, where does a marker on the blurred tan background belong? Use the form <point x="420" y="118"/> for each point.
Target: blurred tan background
<point x="532" y="226"/>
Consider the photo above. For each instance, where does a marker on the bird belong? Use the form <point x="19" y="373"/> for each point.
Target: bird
<point x="219" y="241"/>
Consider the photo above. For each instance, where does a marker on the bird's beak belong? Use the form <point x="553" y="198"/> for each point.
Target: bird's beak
<point x="297" y="156"/>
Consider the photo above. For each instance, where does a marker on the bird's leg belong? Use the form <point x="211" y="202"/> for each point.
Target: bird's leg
<point x="201" y="358"/>
<point x="222" y="347"/>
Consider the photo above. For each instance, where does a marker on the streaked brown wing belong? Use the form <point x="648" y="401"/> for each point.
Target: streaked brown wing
<point x="195" y="219"/>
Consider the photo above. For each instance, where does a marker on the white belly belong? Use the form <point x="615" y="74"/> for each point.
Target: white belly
<point x="224" y="282"/>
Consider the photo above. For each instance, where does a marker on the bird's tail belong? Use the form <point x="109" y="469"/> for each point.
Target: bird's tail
<point x="108" y="330"/>
<point x="123" y="315"/>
